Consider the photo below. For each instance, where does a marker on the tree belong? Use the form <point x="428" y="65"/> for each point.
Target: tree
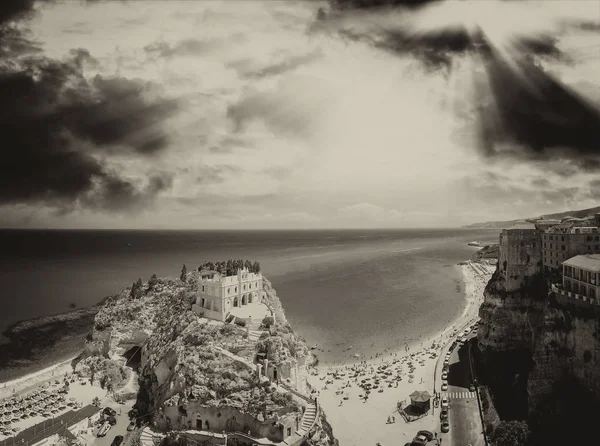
<point x="256" y="267"/>
<point x="511" y="433"/>
<point x="96" y="402"/>
<point x="183" y="276"/>
<point x="152" y="282"/>
<point x="229" y="266"/>
<point x="133" y="292"/>
<point x="248" y="265"/>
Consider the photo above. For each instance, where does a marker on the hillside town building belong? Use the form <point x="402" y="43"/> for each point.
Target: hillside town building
<point x="565" y="241"/>
<point x="581" y="275"/>
<point x="219" y="295"/>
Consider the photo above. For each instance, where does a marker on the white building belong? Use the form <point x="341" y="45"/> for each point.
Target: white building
<point x="218" y="295"/>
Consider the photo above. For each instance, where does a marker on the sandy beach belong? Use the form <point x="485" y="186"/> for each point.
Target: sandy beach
<point x="411" y="367"/>
<point x="35" y="379"/>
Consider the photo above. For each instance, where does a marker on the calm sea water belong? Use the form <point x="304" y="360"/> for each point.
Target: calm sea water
<point x="365" y="289"/>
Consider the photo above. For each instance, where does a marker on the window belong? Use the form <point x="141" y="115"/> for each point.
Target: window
<point x="235" y="290"/>
<point x="562" y="239"/>
<point x="597" y="238"/>
<point x="202" y="288"/>
<point x="544" y="244"/>
<point x="563" y="247"/>
<point x="228" y="290"/>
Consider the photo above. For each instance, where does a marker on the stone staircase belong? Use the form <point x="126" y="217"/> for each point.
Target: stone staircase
<point x="149" y="438"/>
<point x="308" y="419"/>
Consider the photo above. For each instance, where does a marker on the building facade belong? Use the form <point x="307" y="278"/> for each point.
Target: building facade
<point x="218" y="294"/>
<point x="562" y="243"/>
<point x="519" y="256"/>
<point x="581" y="276"/>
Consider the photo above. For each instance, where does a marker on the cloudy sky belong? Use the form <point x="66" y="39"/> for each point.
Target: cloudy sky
<point x="266" y="114"/>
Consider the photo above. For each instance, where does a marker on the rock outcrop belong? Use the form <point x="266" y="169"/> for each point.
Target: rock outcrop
<point x="488" y="252"/>
<point x="539" y="353"/>
<point x="199" y="374"/>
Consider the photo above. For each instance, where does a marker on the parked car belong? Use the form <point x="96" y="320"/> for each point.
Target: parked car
<point x="109" y="411"/>
<point x="426" y="434"/>
<point x="444" y="415"/>
<point x="444" y="386"/>
<point x="419" y="440"/>
<point x="472" y="387"/>
<point x="104" y="429"/>
<point x="445" y="402"/>
<point x="445" y="427"/>
<point x="111" y="420"/>
<point x="117" y="441"/>
<point x="445" y="375"/>
<point x="131" y="426"/>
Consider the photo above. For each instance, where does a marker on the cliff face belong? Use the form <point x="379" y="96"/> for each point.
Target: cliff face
<point x="539" y="353"/>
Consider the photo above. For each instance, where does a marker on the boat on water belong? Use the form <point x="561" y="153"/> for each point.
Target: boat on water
<point x="314" y="346"/>
<point x="476" y="243"/>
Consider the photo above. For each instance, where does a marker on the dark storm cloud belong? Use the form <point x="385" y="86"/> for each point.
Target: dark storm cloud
<point x="118" y="195"/>
<point x="537" y="116"/>
<point x="14" y="9"/>
<point x="435" y="48"/>
<point x="56" y="125"/>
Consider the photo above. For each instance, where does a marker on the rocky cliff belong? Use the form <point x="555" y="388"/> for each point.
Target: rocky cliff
<point x="189" y="365"/>
<point x="539" y="354"/>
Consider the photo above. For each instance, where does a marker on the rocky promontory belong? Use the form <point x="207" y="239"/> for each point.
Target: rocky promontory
<point x="197" y="374"/>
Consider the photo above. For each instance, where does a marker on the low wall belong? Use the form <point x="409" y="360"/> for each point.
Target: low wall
<point x="578" y="301"/>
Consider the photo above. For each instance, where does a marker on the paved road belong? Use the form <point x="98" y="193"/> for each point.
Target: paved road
<point x="118" y="429"/>
<point x="465" y="421"/>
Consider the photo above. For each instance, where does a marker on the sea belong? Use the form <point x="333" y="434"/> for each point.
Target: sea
<point x="353" y="292"/>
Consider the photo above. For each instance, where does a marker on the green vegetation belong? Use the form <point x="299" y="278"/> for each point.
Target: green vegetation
<point x="183" y="275"/>
<point x="110" y="373"/>
<point x="145" y="310"/>
<point x="267" y="322"/>
<point x="230" y="267"/>
<point x="136" y="289"/>
<point x="152" y="282"/>
<point x="281" y="345"/>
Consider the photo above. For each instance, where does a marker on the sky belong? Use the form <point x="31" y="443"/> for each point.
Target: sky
<point x="270" y="114"/>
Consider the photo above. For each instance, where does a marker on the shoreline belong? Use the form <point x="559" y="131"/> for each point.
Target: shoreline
<point x="356" y="420"/>
<point x="35" y="379"/>
<point x="426" y="339"/>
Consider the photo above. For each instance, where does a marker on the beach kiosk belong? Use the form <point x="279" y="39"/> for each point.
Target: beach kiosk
<point x="420" y="401"/>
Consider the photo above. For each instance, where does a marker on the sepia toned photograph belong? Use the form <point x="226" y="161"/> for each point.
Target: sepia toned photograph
<point x="299" y="222"/>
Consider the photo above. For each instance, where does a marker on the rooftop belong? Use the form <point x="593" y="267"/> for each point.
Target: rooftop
<point x="590" y="262"/>
<point x="53" y="426"/>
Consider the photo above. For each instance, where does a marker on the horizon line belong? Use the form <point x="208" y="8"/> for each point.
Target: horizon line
<point x="238" y="229"/>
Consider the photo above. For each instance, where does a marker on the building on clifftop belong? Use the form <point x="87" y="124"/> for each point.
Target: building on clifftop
<point x="219" y="295"/>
